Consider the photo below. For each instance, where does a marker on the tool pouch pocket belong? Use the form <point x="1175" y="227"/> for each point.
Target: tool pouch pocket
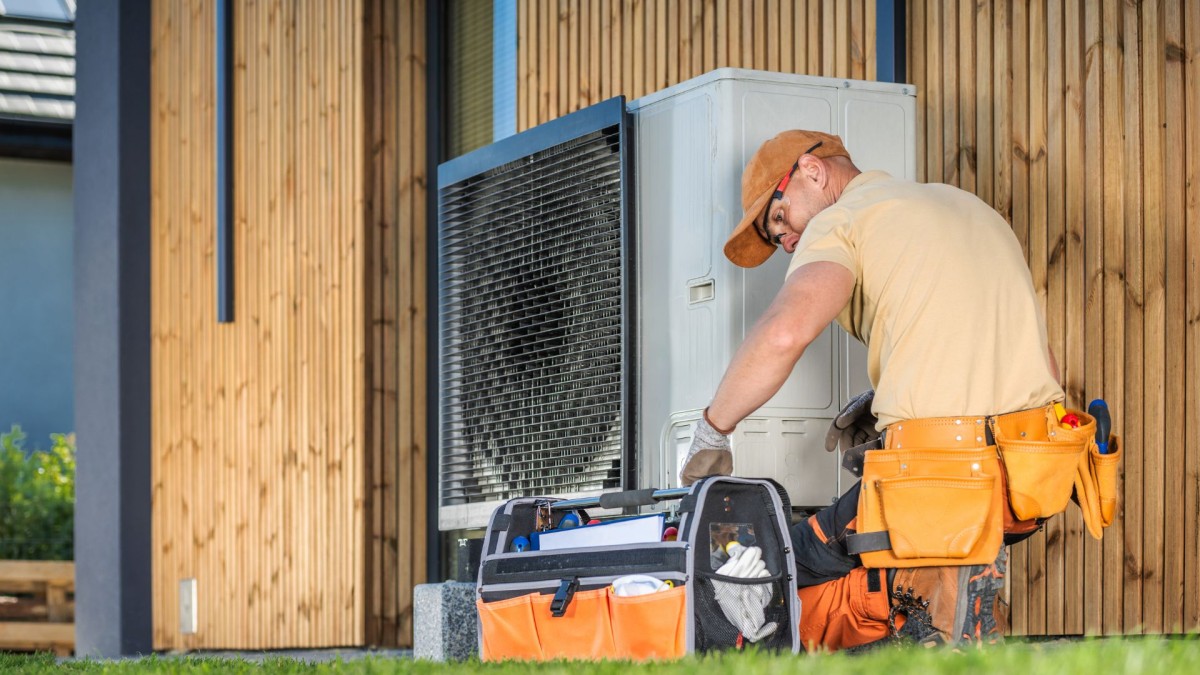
<point x="1096" y="486"/>
<point x="1104" y="472"/>
<point x="1040" y="461"/>
<point x="934" y="506"/>
<point x="961" y="505"/>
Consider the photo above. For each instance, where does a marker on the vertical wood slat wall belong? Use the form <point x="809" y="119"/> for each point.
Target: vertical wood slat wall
<point x="396" y="366"/>
<point x="259" y="484"/>
<point x="574" y="53"/>
<point x="1079" y="121"/>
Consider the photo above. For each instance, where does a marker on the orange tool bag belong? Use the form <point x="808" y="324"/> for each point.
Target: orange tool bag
<point x="539" y="601"/>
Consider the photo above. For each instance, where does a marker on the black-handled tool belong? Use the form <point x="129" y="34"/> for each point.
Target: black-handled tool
<point x="1098" y="409"/>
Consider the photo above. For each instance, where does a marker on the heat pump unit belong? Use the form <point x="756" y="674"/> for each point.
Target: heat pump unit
<point x="587" y="311"/>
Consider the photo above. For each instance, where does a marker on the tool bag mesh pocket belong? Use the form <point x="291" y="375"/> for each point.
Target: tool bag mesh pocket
<point x="715" y="632"/>
<point x="750" y="515"/>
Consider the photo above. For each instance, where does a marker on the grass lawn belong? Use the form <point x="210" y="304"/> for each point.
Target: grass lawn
<point x="1090" y="657"/>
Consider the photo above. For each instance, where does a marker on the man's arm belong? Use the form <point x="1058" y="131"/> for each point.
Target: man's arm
<point x="810" y="299"/>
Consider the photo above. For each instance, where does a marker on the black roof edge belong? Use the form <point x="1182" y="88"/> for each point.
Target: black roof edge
<point x="35" y="139"/>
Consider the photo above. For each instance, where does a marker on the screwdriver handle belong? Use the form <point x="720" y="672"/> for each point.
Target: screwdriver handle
<point x="1098" y="409"/>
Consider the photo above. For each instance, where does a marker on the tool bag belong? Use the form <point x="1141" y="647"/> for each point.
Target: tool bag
<point x="547" y="604"/>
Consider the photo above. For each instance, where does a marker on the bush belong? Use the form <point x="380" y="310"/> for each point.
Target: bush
<point x="37" y="498"/>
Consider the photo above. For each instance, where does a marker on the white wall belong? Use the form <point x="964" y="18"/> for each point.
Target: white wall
<point x="36" y="298"/>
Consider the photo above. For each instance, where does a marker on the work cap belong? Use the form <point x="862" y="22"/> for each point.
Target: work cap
<point x="774" y="159"/>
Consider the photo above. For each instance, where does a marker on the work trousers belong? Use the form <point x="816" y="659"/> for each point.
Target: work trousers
<point x="844" y="604"/>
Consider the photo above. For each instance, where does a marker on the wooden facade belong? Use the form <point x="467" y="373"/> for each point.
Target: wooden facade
<point x="1077" y="120"/>
<point x="573" y="53"/>
<point x="288" y="446"/>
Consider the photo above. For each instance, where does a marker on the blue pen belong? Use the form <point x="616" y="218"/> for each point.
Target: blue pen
<point x="1099" y="410"/>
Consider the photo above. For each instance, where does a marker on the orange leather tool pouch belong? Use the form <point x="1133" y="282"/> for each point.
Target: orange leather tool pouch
<point x="1041" y="459"/>
<point x="1096" y="486"/>
<point x="937" y="492"/>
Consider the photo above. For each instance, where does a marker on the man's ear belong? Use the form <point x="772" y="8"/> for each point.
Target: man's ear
<point x="813" y="169"/>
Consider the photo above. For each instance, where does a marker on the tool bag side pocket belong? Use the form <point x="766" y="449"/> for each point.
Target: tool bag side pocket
<point x="1040" y="465"/>
<point x="508" y="630"/>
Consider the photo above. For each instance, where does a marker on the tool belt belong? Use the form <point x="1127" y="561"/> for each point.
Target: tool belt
<point x="943" y="491"/>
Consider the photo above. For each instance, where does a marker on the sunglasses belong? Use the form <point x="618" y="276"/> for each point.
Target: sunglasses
<point x="763" y="232"/>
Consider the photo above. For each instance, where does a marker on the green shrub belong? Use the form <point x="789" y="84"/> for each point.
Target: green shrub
<point x="37" y="498"/>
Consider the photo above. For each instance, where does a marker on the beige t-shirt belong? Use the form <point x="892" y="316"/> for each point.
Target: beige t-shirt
<point x="942" y="298"/>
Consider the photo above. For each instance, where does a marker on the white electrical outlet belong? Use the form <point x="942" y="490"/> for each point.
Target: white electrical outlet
<point x="187" y="606"/>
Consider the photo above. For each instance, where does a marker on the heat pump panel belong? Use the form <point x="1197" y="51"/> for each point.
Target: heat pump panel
<point x="534" y="316"/>
<point x="695" y="307"/>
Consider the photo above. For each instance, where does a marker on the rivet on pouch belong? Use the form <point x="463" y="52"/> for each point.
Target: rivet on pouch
<point x="979" y="439"/>
<point x="975" y="467"/>
<point x="958" y="421"/>
<point x="903" y="466"/>
<point x="1022" y="434"/>
<point x="958" y="438"/>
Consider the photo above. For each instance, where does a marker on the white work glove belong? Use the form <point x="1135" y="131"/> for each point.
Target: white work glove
<point x="854" y="425"/>
<point x="743" y="604"/>
<point x="710" y="454"/>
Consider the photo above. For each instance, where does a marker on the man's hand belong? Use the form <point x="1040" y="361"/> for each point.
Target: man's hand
<point x="710" y="454"/>
<point x="854" y="425"/>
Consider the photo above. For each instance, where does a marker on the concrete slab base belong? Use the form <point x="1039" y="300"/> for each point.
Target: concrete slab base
<point x="445" y="622"/>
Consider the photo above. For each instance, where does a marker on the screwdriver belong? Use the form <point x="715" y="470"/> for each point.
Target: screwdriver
<point x="1098" y="409"/>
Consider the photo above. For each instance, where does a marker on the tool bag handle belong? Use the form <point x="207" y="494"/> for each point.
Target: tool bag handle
<point x="626" y="499"/>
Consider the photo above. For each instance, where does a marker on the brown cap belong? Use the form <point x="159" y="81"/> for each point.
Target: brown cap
<point x="746" y="247"/>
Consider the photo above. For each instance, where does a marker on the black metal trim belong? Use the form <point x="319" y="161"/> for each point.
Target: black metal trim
<point x="629" y="274"/>
<point x="224" y="159"/>
<point x="435" y="59"/>
<point x="36" y="139"/>
<point x="600" y="115"/>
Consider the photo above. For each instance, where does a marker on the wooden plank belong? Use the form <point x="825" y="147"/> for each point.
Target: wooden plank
<point x="935" y="94"/>
<point x="951" y="150"/>
<point x="1077" y="298"/>
<point x="696" y="40"/>
<point x="829" y="45"/>
<point x="1046" y="39"/>
<point x="711" y="34"/>
<point x="870" y="57"/>
<point x="919" y="75"/>
<point x="1175" y="386"/>
<point x="789" y="38"/>
<point x="1134" y="300"/>
<point x="545" y="79"/>
<point x="674" y="42"/>
<point x="596" y="53"/>
<point x="816" y="59"/>
<point x="660" y="80"/>
<point x="1095" y="342"/>
<point x="746" y="26"/>
<point x="799" y="36"/>
<point x="420" y="312"/>
<point x="606" y="49"/>
<point x="985" y="77"/>
<point x="966" y="97"/>
<point x="636" y="45"/>
<point x="1029" y="213"/>
<point x="854" y="39"/>
<point x="30" y="635"/>
<point x="45" y="571"/>
<point x="556" y="36"/>
<point x="524" y="74"/>
<point x="1191" y="169"/>
<point x="568" y="13"/>
<point x="1153" y="357"/>
<point x="616" y="83"/>
<point x="1114" y="302"/>
<point x="404" y="471"/>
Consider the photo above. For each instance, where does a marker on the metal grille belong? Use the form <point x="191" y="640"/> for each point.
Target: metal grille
<point x="533" y="322"/>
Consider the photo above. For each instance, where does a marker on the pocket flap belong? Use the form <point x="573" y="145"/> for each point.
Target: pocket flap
<point x="935" y="517"/>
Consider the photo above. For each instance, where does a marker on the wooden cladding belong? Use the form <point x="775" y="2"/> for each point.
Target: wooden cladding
<point x="259" y="428"/>
<point x="396" y="366"/>
<point x="573" y="53"/>
<point x="1080" y="122"/>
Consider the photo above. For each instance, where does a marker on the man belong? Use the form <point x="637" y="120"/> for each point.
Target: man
<point x="933" y="281"/>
